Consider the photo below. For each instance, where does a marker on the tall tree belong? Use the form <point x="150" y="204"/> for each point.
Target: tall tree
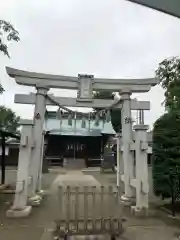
<point x="8" y="120"/>
<point x="168" y="73"/>
<point x="115" y="113"/>
<point x="7" y="34"/>
<point x="166" y="138"/>
<point x="166" y="151"/>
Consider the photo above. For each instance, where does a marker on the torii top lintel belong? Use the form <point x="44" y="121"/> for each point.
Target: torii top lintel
<point x="66" y="82"/>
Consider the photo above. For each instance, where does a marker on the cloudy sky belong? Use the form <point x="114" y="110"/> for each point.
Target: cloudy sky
<point x="107" y="38"/>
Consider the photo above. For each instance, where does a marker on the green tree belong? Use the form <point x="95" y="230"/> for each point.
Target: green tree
<point x="168" y="73"/>
<point x="8" y="120"/>
<point x="7" y="34"/>
<point x="166" y="151"/>
<point x="166" y="138"/>
<point x="115" y="113"/>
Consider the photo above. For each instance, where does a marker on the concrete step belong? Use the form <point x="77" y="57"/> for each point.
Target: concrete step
<point x="74" y="164"/>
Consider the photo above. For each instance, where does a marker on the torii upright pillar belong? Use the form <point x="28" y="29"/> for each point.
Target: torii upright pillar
<point x="20" y="207"/>
<point x="126" y="142"/>
<point x="36" y="165"/>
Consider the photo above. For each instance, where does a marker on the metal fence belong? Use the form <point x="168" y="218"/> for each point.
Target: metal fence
<point x="89" y="210"/>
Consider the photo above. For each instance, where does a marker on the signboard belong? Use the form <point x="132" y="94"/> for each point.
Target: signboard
<point x="85" y="87"/>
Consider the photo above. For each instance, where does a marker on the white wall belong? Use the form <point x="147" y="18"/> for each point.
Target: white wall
<point x="6" y="151"/>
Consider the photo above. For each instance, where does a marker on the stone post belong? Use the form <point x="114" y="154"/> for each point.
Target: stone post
<point x="20" y="208"/>
<point x="39" y="184"/>
<point x="121" y="158"/>
<point x="39" y="116"/>
<point x="142" y="182"/>
<point x="118" y="158"/>
<point x="126" y="142"/>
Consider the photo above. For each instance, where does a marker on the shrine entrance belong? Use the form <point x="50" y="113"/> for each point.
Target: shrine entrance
<point x="133" y="138"/>
<point x="74" y="147"/>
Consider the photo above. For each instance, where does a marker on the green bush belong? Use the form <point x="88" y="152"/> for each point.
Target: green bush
<point x="166" y="151"/>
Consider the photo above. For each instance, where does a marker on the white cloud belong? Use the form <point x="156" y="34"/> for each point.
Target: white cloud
<point x="107" y="38"/>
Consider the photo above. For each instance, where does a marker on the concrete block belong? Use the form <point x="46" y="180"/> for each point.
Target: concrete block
<point x="125" y="201"/>
<point x="19" y="213"/>
<point x="35" y="200"/>
<point x="144" y="146"/>
<point x="139" y="212"/>
<point x="42" y="193"/>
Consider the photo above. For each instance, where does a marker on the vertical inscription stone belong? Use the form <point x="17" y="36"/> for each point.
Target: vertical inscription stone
<point x="85" y="87"/>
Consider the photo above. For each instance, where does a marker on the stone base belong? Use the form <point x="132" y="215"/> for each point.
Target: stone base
<point x="3" y="186"/>
<point x="139" y="212"/>
<point x="42" y="193"/>
<point x="35" y="200"/>
<point x="19" y="213"/>
<point x="126" y="201"/>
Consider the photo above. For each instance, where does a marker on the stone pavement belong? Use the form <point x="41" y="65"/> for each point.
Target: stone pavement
<point x="39" y="224"/>
<point x="30" y="228"/>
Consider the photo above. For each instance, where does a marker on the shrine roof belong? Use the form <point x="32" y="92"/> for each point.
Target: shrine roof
<point x="60" y="127"/>
<point x="75" y="132"/>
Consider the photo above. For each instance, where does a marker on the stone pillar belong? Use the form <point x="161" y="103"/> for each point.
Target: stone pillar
<point x="39" y="184"/>
<point x="39" y="116"/>
<point x="20" y="208"/>
<point x="142" y="182"/>
<point x="121" y="158"/>
<point x="126" y="142"/>
<point x="118" y="158"/>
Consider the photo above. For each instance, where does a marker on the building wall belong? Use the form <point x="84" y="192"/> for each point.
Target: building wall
<point x="52" y="123"/>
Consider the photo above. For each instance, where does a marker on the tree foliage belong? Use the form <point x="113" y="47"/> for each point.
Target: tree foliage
<point x="115" y="113"/>
<point x="7" y="33"/>
<point x="169" y="76"/>
<point x="166" y="137"/>
<point x="166" y="151"/>
<point x="8" y="120"/>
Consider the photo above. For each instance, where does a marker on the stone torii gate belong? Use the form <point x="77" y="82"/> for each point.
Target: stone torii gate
<point x="85" y="84"/>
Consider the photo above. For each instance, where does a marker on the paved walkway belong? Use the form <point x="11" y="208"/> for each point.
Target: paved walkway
<point x="136" y="229"/>
<point x="30" y="228"/>
<point x="39" y="224"/>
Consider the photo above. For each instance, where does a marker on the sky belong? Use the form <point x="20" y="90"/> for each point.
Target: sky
<point x="106" y="38"/>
